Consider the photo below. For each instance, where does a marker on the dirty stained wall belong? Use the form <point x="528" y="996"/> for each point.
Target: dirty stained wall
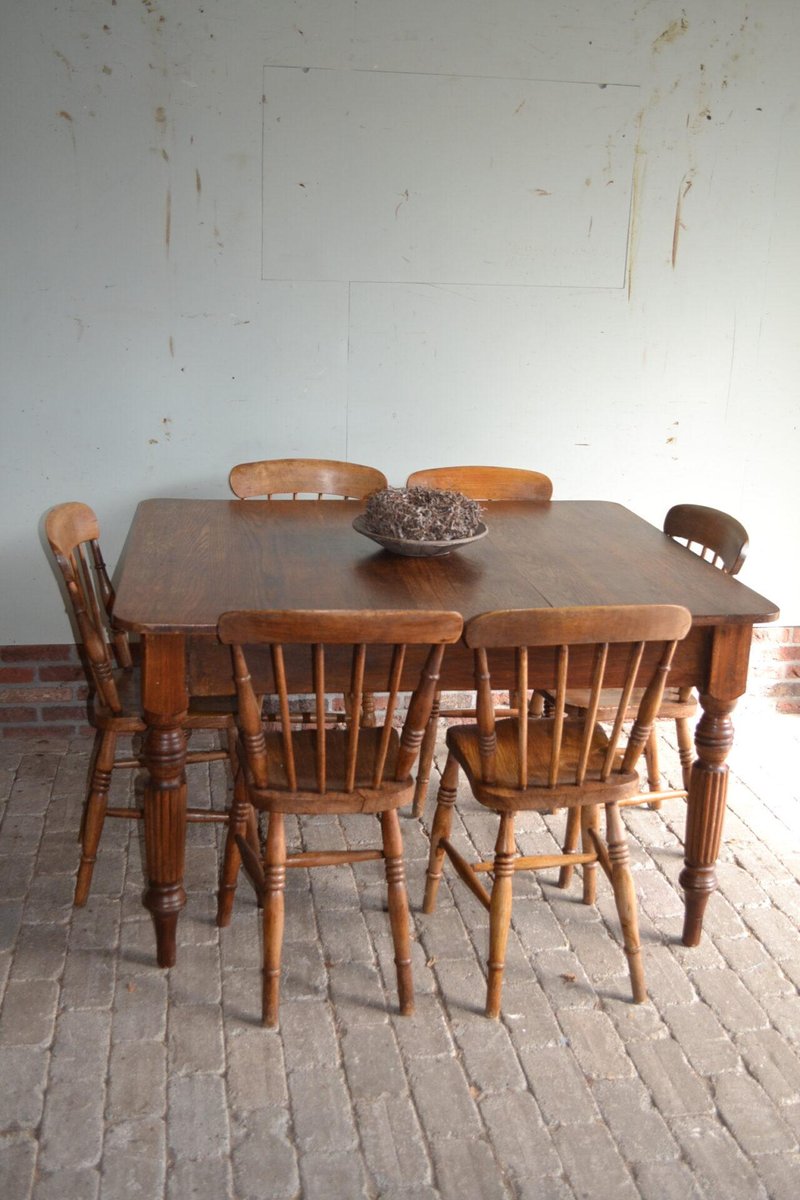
<point x="533" y="233"/>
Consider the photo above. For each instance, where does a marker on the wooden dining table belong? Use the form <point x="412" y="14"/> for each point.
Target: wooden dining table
<point x="185" y="562"/>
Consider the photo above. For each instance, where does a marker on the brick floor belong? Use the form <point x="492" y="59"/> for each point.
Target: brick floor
<point x="121" y="1080"/>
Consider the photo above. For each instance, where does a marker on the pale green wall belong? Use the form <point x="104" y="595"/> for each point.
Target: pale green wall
<point x="136" y="364"/>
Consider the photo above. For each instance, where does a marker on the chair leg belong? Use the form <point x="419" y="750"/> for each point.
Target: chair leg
<point x="683" y="728"/>
<point x="274" y="902"/>
<point x="368" y="718"/>
<point x="94" y="814"/>
<point x="625" y="898"/>
<point x="571" y="836"/>
<point x="588" y="816"/>
<point x="239" y="825"/>
<point x="399" y="916"/>
<point x="500" y="912"/>
<point x="425" y="763"/>
<point x="442" y="824"/>
<point x="653" y="768"/>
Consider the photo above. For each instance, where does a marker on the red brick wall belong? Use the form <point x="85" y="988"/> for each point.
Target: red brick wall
<point x="42" y="691"/>
<point x="43" y="688"/>
<point x="775" y="666"/>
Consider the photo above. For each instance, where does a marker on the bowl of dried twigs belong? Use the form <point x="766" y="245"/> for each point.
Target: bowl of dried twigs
<point x="420" y="522"/>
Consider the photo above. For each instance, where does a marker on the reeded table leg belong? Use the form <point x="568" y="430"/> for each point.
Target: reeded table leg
<point x="164" y="702"/>
<point x="705" y="812"/>
<point x="726" y="681"/>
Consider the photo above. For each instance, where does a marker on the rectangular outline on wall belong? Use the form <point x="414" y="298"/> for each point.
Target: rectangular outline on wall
<point x="431" y="280"/>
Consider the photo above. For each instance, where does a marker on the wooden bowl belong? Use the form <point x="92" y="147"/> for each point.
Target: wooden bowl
<point x="417" y="549"/>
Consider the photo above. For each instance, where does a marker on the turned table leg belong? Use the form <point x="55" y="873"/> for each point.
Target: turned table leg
<point x="726" y="680"/>
<point x="706" y="812"/>
<point x="164" y="702"/>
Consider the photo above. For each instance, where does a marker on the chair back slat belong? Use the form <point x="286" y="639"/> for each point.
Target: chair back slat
<point x="318" y="676"/>
<point x="600" y="660"/>
<point x="105" y="590"/>
<point x="648" y="708"/>
<point x="252" y="730"/>
<point x="282" y="688"/>
<point x="419" y="709"/>
<point x="354" y="723"/>
<point x="485" y="716"/>
<point x="631" y="675"/>
<point x="377" y="642"/>
<point x="522" y="704"/>
<point x="562" y="673"/>
<point x="395" y="677"/>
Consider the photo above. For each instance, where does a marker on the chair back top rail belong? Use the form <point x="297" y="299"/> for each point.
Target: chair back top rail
<point x="486" y="483"/>
<point x="718" y="537"/>
<point x="316" y="477"/>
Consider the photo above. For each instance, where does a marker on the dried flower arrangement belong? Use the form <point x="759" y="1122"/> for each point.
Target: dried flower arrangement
<point x="422" y="514"/>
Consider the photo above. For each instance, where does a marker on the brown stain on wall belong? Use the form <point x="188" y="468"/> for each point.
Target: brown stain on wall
<point x="674" y="30"/>
<point x="65" y="116"/>
<point x="637" y="185"/>
<point x="198" y="184"/>
<point x="168" y="221"/>
<point x="683" y="189"/>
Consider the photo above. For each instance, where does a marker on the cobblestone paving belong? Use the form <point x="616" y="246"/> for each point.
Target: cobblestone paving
<point x="122" y="1080"/>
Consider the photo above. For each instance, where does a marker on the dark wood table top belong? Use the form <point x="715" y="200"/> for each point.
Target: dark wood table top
<point x="187" y="561"/>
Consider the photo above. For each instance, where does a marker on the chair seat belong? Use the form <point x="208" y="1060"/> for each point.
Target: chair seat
<point x="504" y="794"/>
<point x="307" y="798"/>
<point x="672" y="705"/>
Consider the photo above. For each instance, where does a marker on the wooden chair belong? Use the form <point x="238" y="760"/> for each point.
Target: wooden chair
<point x="721" y="540"/>
<point x="486" y="483"/>
<point x="313" y="477"/>
<point x="356" y="769"/>
<point x="479" y="483"/>
<point x="518" y="764"/>
<point x="114" y="707"/>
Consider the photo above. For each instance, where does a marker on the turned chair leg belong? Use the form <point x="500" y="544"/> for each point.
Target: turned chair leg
<point x="240" y="824"/>
<point x="683" y="728"/>
<point x="571" y="837"/>
<point x="500" y="912"/>
<point x="425" y="763"/>
<point x="94" y="813"/>
<point x="589" y="817"/>
<point x="274" y="899"/>
<point x="625" y="898"/>
<point x="653" y="768"/>
<point x="399" y="916"/>
<point x="442" y="824"/>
